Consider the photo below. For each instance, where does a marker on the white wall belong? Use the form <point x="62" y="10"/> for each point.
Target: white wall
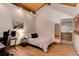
<point x="76" y="42"/>
<point x="9" y="12"/>
<point x="5" y="20"/>
<point x="73" y="11"/>
<point x="75" y="39"/>
<point x="45" y="19"/>
<point x="29" y="23"/>
<point x="22" y="16"/>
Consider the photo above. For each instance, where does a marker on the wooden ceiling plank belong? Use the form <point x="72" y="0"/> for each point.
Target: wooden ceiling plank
<point x="70" y="4"/>
<point x="23" y="6"/>
<point x="41" y="6"/>
<point x="28" y="8"/>
<point x="33" y="6"/>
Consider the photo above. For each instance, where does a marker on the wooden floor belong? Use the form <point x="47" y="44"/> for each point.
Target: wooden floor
<point x="53" y="50"/>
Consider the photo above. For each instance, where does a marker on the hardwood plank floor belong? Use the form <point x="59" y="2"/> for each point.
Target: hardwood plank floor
<point x="53" y="50"/>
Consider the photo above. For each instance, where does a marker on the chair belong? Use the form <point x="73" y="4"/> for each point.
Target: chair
<point x="13" y="37"/>
<point x="5" y="42"/>
<point x="5" y="37"/>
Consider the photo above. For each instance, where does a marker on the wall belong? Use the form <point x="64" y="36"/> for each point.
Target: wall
<point x="73" y="11"/>
<point x="45" y="19"/>
<point x="5" y="20"/>
<point x="75" y="41"/>
<point x="10" y="12"/>
<point x="22" y="16"/>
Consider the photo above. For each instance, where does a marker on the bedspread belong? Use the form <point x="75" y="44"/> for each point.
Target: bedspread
<point x="42" y="42"/>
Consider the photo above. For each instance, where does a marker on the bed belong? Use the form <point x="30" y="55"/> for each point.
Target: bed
<point x="42" y="42"/>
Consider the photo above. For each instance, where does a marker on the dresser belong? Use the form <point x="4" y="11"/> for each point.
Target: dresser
<point x="66" y="36"/>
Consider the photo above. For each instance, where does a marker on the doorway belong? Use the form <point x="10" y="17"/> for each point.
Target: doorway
<point x="66" y="31"/>
<point x="57" y="31"/>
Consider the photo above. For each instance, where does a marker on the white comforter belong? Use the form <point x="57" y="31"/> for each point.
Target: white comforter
<point x="42" y="42"/>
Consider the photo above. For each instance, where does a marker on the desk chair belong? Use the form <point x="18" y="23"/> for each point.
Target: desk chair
<point x="5" y="42"/>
